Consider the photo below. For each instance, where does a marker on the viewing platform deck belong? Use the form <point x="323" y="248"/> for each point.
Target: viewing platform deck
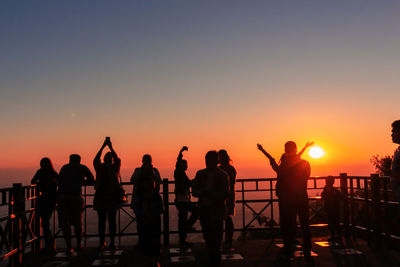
<point x="369" y="217"/>
<point x="250" y="253"/>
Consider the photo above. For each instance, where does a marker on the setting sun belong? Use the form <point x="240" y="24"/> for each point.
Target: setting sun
<point x="316" y="152"/>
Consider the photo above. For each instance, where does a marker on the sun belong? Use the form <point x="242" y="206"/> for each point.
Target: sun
<point x="316" y="152"/>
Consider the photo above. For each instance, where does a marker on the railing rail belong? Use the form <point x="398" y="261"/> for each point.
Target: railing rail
<point x="255" y="198"/>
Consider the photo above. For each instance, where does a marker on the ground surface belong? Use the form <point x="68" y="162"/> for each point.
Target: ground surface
<point x="249" y="253"/>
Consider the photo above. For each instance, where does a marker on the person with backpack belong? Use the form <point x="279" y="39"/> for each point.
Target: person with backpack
<point x="291" y="190"/>
<point x="147" y="205"/>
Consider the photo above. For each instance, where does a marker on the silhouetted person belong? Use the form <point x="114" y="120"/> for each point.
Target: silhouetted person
<point x="147" y="205"/>
<point x="211" y="186"/>
<point x="46" y="180"/>
<point x="107" y="197"/>
<point x="291" y="189"/>
<point x="225" y="164"/>
<point x="331" y="197"/>
<point x="70" y="202"/>
<point x="182" y="199"/>
<point x="395" y="173"/>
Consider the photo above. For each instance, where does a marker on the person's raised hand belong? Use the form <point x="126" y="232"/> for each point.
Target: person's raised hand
<point x="184" y="148"/>
<point x="260" y="147"/>
<point x="309" y="143"/>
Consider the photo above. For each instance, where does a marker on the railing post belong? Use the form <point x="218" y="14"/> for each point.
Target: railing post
<point x="36" y="226"/>
<point x="17" y="211"/>
<point x="385" y="227"/>
<point x="377" y="209"/>
<point x="166" y="211"/>
<point x="343" y="188"/>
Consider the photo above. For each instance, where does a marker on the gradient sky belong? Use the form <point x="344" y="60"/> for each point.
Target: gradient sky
<point x="156" y="75"/>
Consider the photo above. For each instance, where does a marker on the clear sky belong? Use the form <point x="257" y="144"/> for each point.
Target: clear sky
<point x="156" y="75"/>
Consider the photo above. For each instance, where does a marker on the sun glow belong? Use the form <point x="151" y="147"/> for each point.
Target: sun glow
<point x="316" y="152"/>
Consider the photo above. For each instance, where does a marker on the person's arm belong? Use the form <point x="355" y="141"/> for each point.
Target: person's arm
<point x="35" y="178"/>
<point x="272" y="161"/>
<point x="309" y="143"/>
<point x="97" y="160"/>
<point x="180" y="156"/>
<point x="117" y="160"/>
<point x="196" y="185"/>
<point x="158" y="180"/>
<point x="89" y="177"/>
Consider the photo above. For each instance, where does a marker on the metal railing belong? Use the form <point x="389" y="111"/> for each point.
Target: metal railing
<point x="20" y="228"/>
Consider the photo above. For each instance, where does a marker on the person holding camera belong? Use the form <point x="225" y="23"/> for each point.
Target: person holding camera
<point x="107" y="199"/>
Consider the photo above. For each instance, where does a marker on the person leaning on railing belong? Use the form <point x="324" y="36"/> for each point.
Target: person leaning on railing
<point x="147" y="205"/>
<point x="46" y="180"/>
<point x="69" y="198"/>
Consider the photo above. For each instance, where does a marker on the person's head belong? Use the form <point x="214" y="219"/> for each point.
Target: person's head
<point x="329" y="181"/>
<point x="290" y="148"/>
<point x="184" y="165"/>
<point x="45" y="164"/>
<point x="212" y="159"/>
<point x="396" y="132"/>
<point x="75" y="159"/>
<point x="146" y="160"/>
<point x="108" y="158"/>
<point x="224" y="158"/>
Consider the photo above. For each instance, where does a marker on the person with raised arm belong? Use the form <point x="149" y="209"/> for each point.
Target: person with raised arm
<point x="46" y="185"/>
<point x="107" y="197"/>
<point x="69" y="198"/>
<point x="291" y="190"/>
<point x="225" y="164"/>
<point x="182" y="199"/>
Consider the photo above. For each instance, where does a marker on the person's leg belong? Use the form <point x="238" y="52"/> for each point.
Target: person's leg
<point x="139" y="227"/>
<point x="305" y="225"/>
<point x="64" y="222"/>
<point x="287" y="217"/>
<point x="76" y="211"/>
<point x="194" y="214"/>
<point x="228" y="231"/>
<point x="155" y="236"/>
<point x="112" y="225"/>
<point x="182" y="221"/>
<point x="46" y="229"/>
<point x="331" y="223"/>
<point x="216" y="235"/>
<point x="102" y="226"/>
